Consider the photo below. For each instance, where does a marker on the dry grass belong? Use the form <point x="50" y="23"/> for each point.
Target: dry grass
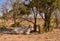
<point x="10" y="22"/>
<point x="50" y="36"/>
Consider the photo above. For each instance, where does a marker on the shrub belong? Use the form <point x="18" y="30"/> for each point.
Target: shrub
<point x="17" y="24"/>
<point x="2" y="26"/>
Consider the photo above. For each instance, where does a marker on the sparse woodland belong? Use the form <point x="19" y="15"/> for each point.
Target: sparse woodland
<point x="18" y="12"/>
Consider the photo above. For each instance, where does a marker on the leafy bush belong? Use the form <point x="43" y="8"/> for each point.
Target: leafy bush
<point x="2" y="26"/>
<point x="17" y="24"/>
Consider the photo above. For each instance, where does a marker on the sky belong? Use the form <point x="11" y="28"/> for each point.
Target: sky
<point x="1" y="1"/>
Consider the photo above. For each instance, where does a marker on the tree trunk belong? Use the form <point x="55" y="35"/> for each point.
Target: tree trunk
<point x="47" y="21"/>
<point x="35" y="19"/>
<point x="56" y="21"/>
<point x="14" y="18"/>
<point x="35" y="29"/>
<point x="39" y="29"/>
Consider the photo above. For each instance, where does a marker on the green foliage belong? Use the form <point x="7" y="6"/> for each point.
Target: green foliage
<point x="58" y="3"/>
<point x="45" y="6"/>
<point x="2" y="26"/>
<point x="17" y="24"/>
<point x="5" y="16"/>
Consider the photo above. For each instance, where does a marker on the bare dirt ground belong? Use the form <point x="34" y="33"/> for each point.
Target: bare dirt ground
<point x="49" y="36"/>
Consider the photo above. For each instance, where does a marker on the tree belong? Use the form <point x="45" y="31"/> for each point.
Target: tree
<point x="15" y="11"/>
<point x="49" y="7"/>
<point x="4" y="10"/>
<point x="18" y="10"/>
<point x="34" y="5"/>
<point x="45" y="6"/>
<point x="56" y="15"/>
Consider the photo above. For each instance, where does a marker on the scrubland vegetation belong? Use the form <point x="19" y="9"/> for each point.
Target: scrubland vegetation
<point x="18" y="14"/>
